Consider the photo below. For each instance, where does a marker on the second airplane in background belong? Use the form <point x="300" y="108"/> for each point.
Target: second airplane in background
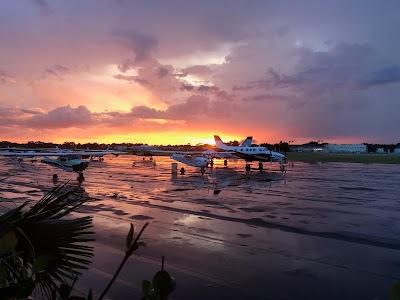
<point x="251" y="153"/>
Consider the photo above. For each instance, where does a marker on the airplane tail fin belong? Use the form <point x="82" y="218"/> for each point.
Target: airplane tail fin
<point x="218" y="142"/>
<point x="247" y="142"/>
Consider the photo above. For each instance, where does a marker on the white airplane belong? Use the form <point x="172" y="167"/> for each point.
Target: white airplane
<point x="69" y="161"/>
<point x="191" y="160"/>
<point x="251" y="153"/>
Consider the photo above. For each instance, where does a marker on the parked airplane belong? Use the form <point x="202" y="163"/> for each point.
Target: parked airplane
<point x="191" y="160"/>
<point x="69" y="161"/>
<point x="251" y="153"/>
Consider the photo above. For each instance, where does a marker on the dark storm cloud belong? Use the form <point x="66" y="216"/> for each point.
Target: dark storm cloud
<point x="143" y="45"/>
<point x="332" y="92"/>
<point x="344" y="67"/>
<point x="385" y="75"/>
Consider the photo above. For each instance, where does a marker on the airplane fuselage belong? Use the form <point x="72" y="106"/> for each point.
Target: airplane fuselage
<point x="69" y="163"/>
<point x="194" y="161"/>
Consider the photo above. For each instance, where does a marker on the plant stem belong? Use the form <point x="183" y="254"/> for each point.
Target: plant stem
<point x="127" y="254"/>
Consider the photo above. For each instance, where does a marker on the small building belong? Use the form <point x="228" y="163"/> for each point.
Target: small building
<point x="396" y="151"/>
<point x="346" y="148"/>
<point x="302" y="148"/>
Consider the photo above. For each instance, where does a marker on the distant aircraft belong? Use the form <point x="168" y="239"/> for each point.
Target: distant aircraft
<point x="69" y="161"/>
<point x="251" y="153"/>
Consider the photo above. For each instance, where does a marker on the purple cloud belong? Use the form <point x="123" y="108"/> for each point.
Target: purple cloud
<point x="384" y="75"/>
<point x="143" y="45"/>
<point x="63" y="117"/>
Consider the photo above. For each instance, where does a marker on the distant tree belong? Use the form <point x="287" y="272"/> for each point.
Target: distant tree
<point x="312" y="143"/>
<point x="268" y="146"/>
<point x="233" y="143"/>
<point x="284" y="147"/>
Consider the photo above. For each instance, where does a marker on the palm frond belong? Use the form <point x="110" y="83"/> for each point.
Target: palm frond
<point x="43" y="230"/>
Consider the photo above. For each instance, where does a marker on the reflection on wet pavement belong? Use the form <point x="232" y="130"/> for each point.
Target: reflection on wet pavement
<point x="327" y="230"/>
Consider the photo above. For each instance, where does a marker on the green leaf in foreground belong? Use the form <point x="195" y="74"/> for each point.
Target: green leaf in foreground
<point x="146" y="287"/>
<point x="163" y="283"/>
<point x="40" y="263"/>
<point x="8" y="242"/>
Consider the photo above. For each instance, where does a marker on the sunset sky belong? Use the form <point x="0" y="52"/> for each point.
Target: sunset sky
<point x="173" y="72"/>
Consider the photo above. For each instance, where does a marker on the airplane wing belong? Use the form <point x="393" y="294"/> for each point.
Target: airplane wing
<point x="104" y="152"/>
<point x="164" y="152"/>
<point x="219" y="154"/>
<point x="38" y="154"/>
<point x="31" y="154"/>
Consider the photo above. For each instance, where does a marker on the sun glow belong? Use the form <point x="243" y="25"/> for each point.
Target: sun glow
<point x="209" y="141"/>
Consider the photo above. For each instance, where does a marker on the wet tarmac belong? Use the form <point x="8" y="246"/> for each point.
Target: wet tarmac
<point x="318" y="231"/>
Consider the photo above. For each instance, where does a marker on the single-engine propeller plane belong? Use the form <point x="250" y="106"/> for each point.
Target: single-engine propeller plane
<point x="72" y="161"/>
<point x="191" y="160"/>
